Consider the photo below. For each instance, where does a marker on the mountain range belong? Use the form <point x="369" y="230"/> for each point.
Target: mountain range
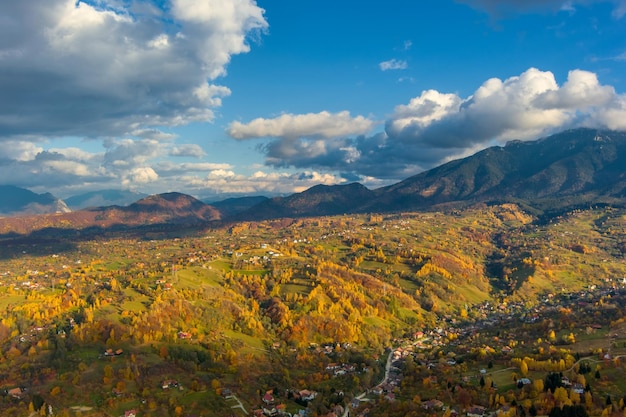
<point x="570" y="169"/>
<point x="565" y="170"/>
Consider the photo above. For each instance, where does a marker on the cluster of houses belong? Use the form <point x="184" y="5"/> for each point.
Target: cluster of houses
<point x="493" y="315"/>
<point x="328" y="348"/>
<point x="340" y="369"/>
<point x="270" y="407"/>
<point x="576" y="387"/>
<point x="164" y="284"/>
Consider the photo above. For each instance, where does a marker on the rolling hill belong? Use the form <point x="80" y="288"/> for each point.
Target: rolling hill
<point x="161" y="209"/>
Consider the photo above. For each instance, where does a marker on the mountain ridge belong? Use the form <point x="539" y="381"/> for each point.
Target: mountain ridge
<point x="579" y="166"/>
<point x="566" y="170"/>
<point x="155" y="210"/>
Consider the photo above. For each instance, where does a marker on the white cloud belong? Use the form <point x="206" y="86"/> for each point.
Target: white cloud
<point x="521" y="107"/>
<point x="68" y="167"/>
<point x="582" y="90"/>
<point x="436" y="127"/>
<point x="430" y="106"/>
<point x="192" y="150"/>
<point x="612" y="116"/>
<point x="111" y="68"/>
<point x="311" y="125"/>
<point x="260" y="182"/>
<point x="56" y="169"/>
<point x="128" y="153"/>
<point x="141" y="175"/>
<point x="75" y="154"/>
<point x="393" y="64"/>
<point x="170" y="168"/>
<point x="305" y="138"/>
<point x="19" y="150"/>
<point x="155" y="134"/>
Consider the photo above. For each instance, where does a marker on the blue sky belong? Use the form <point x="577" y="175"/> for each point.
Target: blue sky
<point x="216" y="98"/>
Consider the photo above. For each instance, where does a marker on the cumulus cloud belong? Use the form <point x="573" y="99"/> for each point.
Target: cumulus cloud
<point x="166" y="168"/>
<point x="70" y="171"/>
<point x="105" y="68"/>
<point x="304" y="138"/>
<point x="130" y="153"/>
<point x="58" y="169"/>
<point x="393" y="64"/>
<point x="155" y="134"/>
<point x="224" y="181"/>
<point x="430" y="106"/>
<point x="19" y="150"/>
<point x="141" y="175"/>
<point x="121" y="162"/>
<point x="520" y="107"/>
<point x="435" y="127"/>
<point x="188" y="150"/>
<point x="321" y="125"/>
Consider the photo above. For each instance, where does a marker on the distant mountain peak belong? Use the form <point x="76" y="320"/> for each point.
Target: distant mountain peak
<point x="168" y="200"/>
<point x="20" y="201"/>
<point x="103" y="198"/>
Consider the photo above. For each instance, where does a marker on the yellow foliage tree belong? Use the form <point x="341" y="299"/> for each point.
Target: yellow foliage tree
<point x="523" y="368"/>
<point x="552" y="336"/>
<point x="560" y="396"/>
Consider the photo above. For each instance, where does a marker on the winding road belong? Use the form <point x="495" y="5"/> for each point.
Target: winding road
<point x="346" y="413"/>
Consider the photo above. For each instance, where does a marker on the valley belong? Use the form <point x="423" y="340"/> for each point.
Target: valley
<point x="289" y="316"/>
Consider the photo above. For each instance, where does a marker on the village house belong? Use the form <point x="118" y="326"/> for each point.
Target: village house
<point x="432" y="404"/>
<point x="16" y="393"/>
<point x="306" y="395"/>
<point x="268" y="398"/>
<point x="578" y="388"/>
<point x="169" y="383"/>
<point x="476" y="411"/>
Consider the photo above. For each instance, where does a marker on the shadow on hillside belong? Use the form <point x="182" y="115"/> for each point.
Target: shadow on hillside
<point x="54" y="240"/>
<point x="508" y="273"/>
<point x="16" y="246"/>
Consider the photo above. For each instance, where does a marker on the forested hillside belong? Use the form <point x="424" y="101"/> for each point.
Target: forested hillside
<point x="103" y="324"/>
